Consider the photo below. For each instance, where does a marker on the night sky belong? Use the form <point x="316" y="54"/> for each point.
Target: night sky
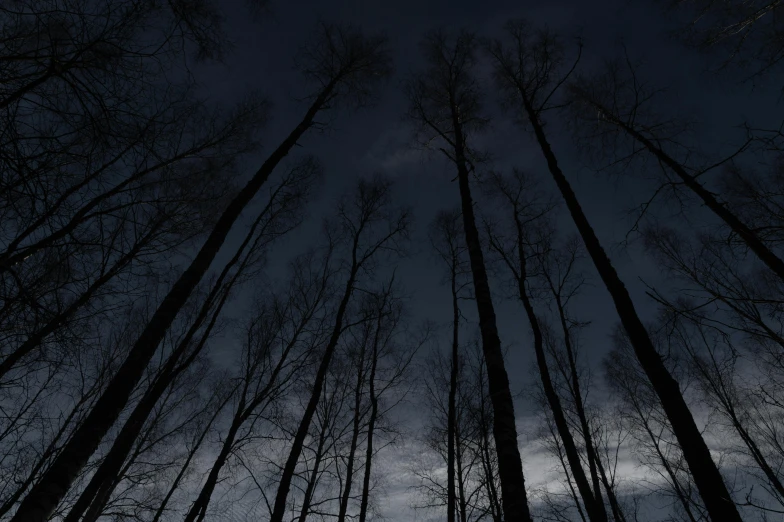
<point x="379" y="140"/>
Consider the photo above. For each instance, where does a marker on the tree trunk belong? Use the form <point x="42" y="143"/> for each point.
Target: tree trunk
<point x="610" y="489"/>
<point x="279" y="509"/>
<point x="311" y="487"/>
<point x="39" y="504"/>
<point x="355" y="429"/>
<point x="202" y="501"/>
<point x="192" y="453"/>
<point x="510" y="466"/>
<point x="363" y="506"/>
<point x="590" y="449"/>
<point x="593" y="506"/>
<point x="492" y="491"/>
<point x="450" y="492"/>
<point x="461" y="502"/>
<point x="706" y="475"/>
<point x="112" y="462"/>
<point x="748" y="236"/>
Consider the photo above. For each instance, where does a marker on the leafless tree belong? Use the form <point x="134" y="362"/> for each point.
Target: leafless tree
<point x="352" y="64"/>
<point x="529" y="73"/>
<point x="520" y="245"/>
<point x="445" y="237"/>
<point x="622" y="99"/>
<point x="445" y="103"/>
<point x="650" y="430"/>
<point x="727" y="324"/>
<point x="371" y="227"/>
<point x="477" y="495"/>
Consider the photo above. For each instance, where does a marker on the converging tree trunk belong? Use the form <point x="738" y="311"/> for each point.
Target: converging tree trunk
<point x="350" y="70"/>
<point x="517" y="78"/>
<point x="444" y="101"/>
<point x="515" y="257"/>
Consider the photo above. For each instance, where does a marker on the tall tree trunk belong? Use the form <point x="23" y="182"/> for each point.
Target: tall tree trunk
<point x="104" y="476"/>
<point x="590" y="449"/>
<point x="279" y="508"/>
<point x="510" y="466"/>
<point x="199" y="506"/>
<point x="462" y="504"/>
<point x="192" y="453"/>
<point x="610" y="489"/>
<point x="706" y="475"/>
<point x="363" y="505"/>
<point x="492" y="492"/>
<point x="450" y="480"/>
<point x="593" y="506"/>
<point x="684" y="500"/>
<point x="51" y="449"/>
<point x="39" y="504"/>
<point x="311" y="487"/>
<point x="566" y="469"/>
<point x="355" y="429"/>
<point x="748" y="236"/>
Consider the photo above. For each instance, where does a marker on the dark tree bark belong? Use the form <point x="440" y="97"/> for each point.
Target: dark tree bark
<point x="561" y="294"/>
<point x="364" y="500"/>
<point x="445" y="239"/>
<point x="746" y="234"/>
<point x="51" y="488"/>
<point x="622" y="378"/>
<point x="356" y="426"/>
<point x="370" y="205"/>
<point x="511" y="196"/>
<point x="451" y="424"/>
<point x="517" y="78"/>
<point x="444" y="101"/>
<point x="104" y="476"/>
<point x="320" y="452"/>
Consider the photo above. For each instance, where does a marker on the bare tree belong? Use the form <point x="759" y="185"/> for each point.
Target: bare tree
<point x="371" y="227"/>
<point x="621" y="100"/>
<point x="727" y="325"/>
<point x="445" y="102"/>
<point x="476" y="468"/>
<point x="529" y="75"/>
<point x="651" y="430"/>
<point x="444" y="236"/>
<point x="347" y="71"/>
<point x="279" y="216"/>
<point x="519" y="250"/>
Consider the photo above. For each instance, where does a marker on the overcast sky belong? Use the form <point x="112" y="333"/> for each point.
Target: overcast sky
<point x="379" y="140"/>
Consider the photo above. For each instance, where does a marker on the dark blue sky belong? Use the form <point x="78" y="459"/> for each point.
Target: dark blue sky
<point x="378" y="139"/>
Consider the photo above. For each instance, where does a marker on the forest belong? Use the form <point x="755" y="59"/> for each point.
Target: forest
<point x="492" y="266"/>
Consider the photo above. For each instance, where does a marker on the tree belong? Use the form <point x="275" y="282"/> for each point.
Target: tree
<point x="445" y="102"/>
<point x="527" y="75"/>
<point x="650" y="429"/>
<point x="370" y="226"/>
<point x="519" y="250"/>
<point x="732" y="346"/>
<point x="444" y="236"/>
<point x="620" y="98"/>
<point x="279" y="216"/>
<point x="476" y="468"/>
<point x="345" y="73"/>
